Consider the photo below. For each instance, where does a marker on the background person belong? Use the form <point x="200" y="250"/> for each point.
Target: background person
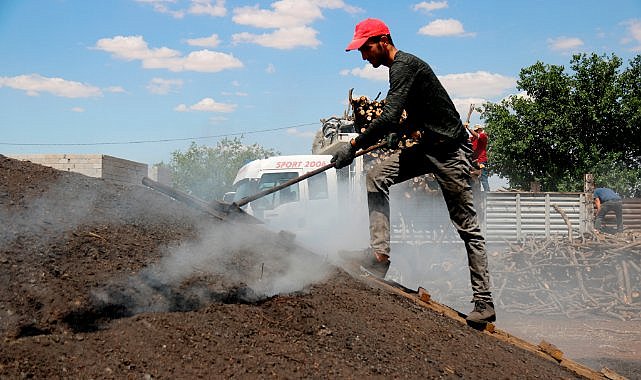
<point x="478" y="138"/>
<point x="607" y="200"/>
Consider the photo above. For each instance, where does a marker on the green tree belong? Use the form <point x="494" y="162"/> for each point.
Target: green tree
<point x="568" y="123"/>
<point x="209" y="172"/>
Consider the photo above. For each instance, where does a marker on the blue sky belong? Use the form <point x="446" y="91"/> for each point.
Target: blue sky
<point x="139" y="79"/>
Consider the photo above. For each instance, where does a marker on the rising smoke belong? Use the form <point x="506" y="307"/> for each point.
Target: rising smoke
<point x="426" y="250"/>
<point x="228" y="262"/>
<point x="231" y="262"/>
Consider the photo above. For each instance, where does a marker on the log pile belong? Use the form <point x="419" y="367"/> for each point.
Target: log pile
<point x="600" y="275"/>
<point x="365" y="111"/>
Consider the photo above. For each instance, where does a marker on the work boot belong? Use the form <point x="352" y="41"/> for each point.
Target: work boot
<point x="483" y="312"/>
<point x="366" y="260"/>
<point x="375" y="263"/>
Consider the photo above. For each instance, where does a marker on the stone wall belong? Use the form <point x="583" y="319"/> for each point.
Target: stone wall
<point x="92" y="165"/>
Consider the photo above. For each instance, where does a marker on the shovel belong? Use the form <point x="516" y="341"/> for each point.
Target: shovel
<point x="222" y="210"/>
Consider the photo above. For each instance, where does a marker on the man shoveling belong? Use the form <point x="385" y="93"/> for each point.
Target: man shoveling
<point x="442" y="150"/>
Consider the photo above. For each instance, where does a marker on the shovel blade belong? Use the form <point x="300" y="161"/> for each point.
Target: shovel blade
<point x="232" y="212"/>
<point x="219" y="210"/>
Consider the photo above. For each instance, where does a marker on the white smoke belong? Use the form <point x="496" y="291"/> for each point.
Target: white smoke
<point x="225" y="255"/>
<point x="266" y="262"/>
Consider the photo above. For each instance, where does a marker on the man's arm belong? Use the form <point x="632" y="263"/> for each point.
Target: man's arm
<point x="401" y="80"/>
<point x="472" y="132"/>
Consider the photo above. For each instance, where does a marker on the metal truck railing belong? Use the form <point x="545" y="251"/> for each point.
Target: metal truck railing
<point x="510" y="216"/>
<point x="515" y="216"/>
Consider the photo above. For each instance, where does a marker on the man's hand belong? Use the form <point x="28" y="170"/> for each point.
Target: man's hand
<point x="344" y="156"/>
<point x="392" y="141"/>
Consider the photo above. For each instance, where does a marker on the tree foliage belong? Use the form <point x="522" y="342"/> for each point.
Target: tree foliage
<point x="570" y="122"/>
<point x="208" y="172"/>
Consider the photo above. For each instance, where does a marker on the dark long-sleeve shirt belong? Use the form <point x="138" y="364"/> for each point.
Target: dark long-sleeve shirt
<point x="415" y="88"/>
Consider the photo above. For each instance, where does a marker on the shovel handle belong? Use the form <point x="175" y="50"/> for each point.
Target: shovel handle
<point x="292" y="181"/>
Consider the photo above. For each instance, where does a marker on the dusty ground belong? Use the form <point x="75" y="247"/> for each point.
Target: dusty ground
<point x="99" y="280"/>
<point x="585" y="336"/>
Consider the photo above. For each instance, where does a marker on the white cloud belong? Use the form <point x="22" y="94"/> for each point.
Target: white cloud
<point x="444" y="28"/>
<point x="283" y="38"/>
<point x="34" y="84"/>
<point x="209" y="61"/>
<point x="132" y="48"/>
<point x="207" y="105"/>
<point x="115" y="89"/>
<point x="161" y="6"/>
<point x="297" y="133"/>
<point x="237" y="93"/>
<point x="521" y="95"/>
<point x="162" y="86"/>
<point x="205" y="7"/>
<point x="479" y="84"/>
<point x="197" y="7"/>
<point x="285" y="14"/>
<point x="211" y="41"/>
<point x="565" y="44"/>
<point x="429" y="6"/>
<point x="634" y="28"/>
<point x="291" y="20"/>
<point x="368" y="72"/>
<point x="78" y="109"/>
<point x="463" y="106"/>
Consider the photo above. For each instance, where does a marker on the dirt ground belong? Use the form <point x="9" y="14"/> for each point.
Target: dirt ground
<point x="588" y="337"/>
<point x="102" y="280"/>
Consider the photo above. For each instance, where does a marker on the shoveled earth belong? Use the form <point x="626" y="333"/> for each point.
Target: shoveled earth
<point x="101" y="280"/>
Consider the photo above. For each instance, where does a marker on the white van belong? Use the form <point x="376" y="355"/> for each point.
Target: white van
<point x="328" y="198"/>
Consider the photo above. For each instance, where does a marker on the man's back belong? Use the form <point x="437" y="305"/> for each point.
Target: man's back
<point x="427" y="103"/>
<point x="479" y="145"/>
<point x="605" y="194"/>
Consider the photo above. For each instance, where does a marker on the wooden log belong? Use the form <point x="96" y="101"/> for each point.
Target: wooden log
<point x="551" y="350"/>
<point x="626" y="283"/>
<point x="566" y="220"/>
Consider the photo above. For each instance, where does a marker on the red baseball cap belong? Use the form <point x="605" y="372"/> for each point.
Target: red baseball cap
<point x="365" y="29"/>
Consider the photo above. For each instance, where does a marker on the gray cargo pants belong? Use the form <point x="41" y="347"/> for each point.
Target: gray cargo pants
<point x="451" y="169"/>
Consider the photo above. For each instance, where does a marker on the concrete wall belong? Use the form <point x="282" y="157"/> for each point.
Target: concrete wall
<point x="92" y="165"/>
<point x="161" y="174"/>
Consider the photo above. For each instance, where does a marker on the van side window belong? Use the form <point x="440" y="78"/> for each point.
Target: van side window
<point x="318" y="186"/>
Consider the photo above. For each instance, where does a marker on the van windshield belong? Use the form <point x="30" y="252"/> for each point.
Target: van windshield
<point x="286" y="195"/>
<point x="245" y="188"/>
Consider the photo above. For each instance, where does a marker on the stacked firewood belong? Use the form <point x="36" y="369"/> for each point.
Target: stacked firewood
<point x="600" y="275"/>
<point x="366" y="111"/>
<point x="597" y="276"/>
